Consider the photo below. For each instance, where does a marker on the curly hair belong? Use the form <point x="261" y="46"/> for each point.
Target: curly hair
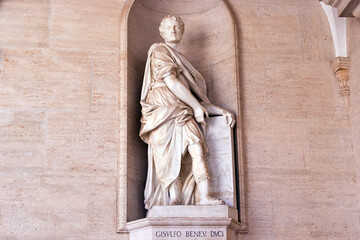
<point x="169" y="18"/>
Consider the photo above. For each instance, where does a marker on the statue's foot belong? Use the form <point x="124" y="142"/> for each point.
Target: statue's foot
<point x="175" y="201"/>
<point x="172" y="203"/>
<point x="210" y="201"/>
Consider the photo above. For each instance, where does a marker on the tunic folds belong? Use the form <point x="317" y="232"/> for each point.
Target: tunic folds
<point x="168" y="126"/>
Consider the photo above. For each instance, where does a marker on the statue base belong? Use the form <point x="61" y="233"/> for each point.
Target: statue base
<point x="200" y="222"/>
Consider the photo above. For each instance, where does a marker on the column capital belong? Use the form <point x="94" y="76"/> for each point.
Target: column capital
<point x="340" y="67"/>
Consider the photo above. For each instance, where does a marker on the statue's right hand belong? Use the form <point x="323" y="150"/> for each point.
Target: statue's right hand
<point x="199" y="113"/>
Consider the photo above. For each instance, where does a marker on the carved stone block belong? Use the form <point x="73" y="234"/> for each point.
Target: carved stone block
<point x="341" y="66"/>
<point x="220" y="160"/>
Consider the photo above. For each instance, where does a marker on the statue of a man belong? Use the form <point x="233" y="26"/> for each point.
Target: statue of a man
<point x="174" y="104"/>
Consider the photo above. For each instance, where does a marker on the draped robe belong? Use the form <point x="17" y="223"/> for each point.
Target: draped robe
<point x="168" y="126"/>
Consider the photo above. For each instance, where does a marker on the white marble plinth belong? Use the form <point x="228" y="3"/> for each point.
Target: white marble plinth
<point x="220" y="160"/>
<point x="194" y="222"/>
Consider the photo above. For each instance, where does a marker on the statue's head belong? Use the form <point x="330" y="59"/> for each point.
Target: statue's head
<point x="171" y="28"/>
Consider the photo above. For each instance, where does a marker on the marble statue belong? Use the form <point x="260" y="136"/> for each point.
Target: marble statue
<point x="174" y="104"/>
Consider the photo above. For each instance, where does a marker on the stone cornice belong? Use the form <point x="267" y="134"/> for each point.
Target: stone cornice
<point x="346" y="8"/>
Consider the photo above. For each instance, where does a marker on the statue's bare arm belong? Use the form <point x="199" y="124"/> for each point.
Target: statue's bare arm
<point x="185" y="95"/>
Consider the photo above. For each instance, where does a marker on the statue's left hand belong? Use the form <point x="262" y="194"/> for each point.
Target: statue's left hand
<point x="229" y="118"/>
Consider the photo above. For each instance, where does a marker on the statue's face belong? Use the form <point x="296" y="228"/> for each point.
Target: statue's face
<point x="172" y="32"/>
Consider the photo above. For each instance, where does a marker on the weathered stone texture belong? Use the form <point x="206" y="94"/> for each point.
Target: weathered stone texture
<point x="223" y="83"/>
<point x="354" y="54"/>
<point x="301" y="177"/>
<point x="317" y="40"/>
<point x="82" y="144"/>
<point x="24" y="23"/>
<point x="306" y="90"/>
<point x="85" y="24"/>
<point x="268" y="31"/>
<point x="46" y="207"/>
<point x="45" y="79"/>
<point x="101" y="208"/>
<point x="353" y="33"/>
<point x="105" y="82"/>
<point x="22" y="142"/>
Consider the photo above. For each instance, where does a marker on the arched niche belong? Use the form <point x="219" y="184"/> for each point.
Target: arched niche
<point x="210" y="43"/>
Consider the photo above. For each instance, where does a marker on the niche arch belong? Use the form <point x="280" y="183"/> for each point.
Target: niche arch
<point x="210" y="43"/>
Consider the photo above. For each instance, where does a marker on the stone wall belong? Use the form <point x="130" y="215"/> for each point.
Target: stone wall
<point x="353" y="28"/>
<point x="58" y="118"/>
<point x="300" y="164"/>
<point x="59" y="121"/>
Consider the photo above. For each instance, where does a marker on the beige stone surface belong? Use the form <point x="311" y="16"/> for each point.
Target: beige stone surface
<point x="43" y="207"/>
<point x="267" y="31"/>
<point x="300" y="163"/>
<point x="22" y="142"/>
<point x="317" y="40"/>
<point x="40" y="202"/>
<point x="101" y="215"/>
<point x="105" y="82"/>
<point x="81" y="144"/>
<point x="353" y="31"/>
<point x="85" y="24"/>
<point x="223" y="81"/>
<point x="58" y="121"/>
<point x="45" y="79"/>
<point x="299" y="95"/>
<point x="253" y="80"/>
<point x="24" y="23"/>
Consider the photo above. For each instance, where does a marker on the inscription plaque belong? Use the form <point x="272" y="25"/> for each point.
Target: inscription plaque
<point x="189" y="234"/>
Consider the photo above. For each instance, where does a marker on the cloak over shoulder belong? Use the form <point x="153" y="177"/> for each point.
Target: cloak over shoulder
<point x="194" y="78"/>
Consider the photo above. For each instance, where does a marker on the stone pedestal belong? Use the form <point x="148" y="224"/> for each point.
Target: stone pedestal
<point x="195" y="222"/>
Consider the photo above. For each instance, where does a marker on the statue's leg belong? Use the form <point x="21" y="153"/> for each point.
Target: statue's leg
<point x="175" y="192"/>
<point x="201" y="175"/>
